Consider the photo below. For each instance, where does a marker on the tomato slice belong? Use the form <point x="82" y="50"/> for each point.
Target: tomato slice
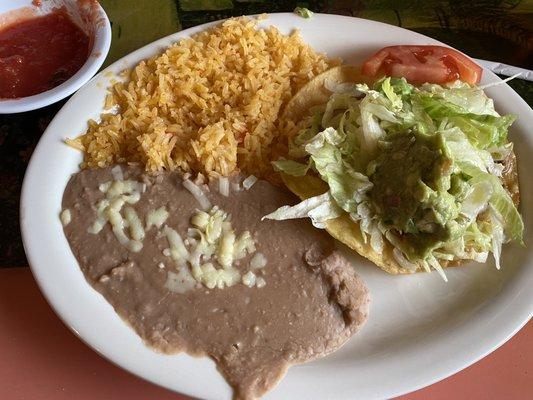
<point x="420" y="64"/>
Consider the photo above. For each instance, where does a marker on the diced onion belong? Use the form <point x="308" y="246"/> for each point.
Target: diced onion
<point x="198" y="194"/>
<point x="249" y="182"/>
<point x="223" y="186"/>
<point x="260" y="282"/>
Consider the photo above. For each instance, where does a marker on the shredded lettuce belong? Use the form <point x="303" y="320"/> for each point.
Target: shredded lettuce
<point x="347" y="186"/>
<point x="497" y="236"/>
<point x="503" y="204"/>
<point x="345" y="142"/>
<point x="303" y="12"/>
<point x="483" y="130"/>
<point x="477" y="200"/>
<point x="470" y="98"/>
<point x="318" y="208"/>
<point x="291" y="167"/>
<point x="467" y="157"/>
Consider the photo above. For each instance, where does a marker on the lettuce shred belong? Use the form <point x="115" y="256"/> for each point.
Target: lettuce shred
<point x="342" y="144"/>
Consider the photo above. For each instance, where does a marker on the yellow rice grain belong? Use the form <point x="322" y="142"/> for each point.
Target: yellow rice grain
<point x="209" y="103"/>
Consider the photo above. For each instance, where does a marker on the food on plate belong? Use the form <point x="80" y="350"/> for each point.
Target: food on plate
<point x="208" y="103"/>
<point x="191" y="267"/>
<point x="423" y="64"/>
<point x="169" y="222"/>
<point x="39" y="53"/>
<point x="188" y="263"/>
<point x="303" y="12"/>
<point x="411" y="177"/>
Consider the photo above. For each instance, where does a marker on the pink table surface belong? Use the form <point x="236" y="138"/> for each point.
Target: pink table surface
<point x="41" y="359"/>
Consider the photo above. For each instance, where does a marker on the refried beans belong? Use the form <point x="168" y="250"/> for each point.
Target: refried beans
<point x="310" y="304"/>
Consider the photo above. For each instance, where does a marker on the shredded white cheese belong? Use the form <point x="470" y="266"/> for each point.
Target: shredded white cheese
<point x="210" y="241"/>
<point x="135" y="224"/>
<point x="135" y="246"/>
<point x="213" y="229"/>
<point x="243" y="245"/>
<point x="212" y="278"/>
<point x="156" y="218"/>
<point x="258" y="261"/>
<point x="119" y="192"/>
<point x="104" y="187"/>
<point x="249" y="279"/>
<point x="225" y="249"/>
<point x="212" y="235"/>
<point x="180" y="282"/>
<point x="178" y="252"/>
<point x="200" y="219"/>
<point x="65" y="217"/>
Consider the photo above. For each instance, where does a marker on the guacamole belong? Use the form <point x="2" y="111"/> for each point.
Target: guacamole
<point x="411" y="183"/>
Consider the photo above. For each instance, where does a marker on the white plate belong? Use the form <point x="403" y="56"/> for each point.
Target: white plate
<point x="420" y="329"/>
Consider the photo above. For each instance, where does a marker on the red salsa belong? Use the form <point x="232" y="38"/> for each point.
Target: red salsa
<point x="40" y="53"/>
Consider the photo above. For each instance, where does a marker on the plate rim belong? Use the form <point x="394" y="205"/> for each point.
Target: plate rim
<point x="465" y="360"/>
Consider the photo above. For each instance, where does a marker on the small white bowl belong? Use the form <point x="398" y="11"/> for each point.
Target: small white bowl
<point x="91" y="18"/>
